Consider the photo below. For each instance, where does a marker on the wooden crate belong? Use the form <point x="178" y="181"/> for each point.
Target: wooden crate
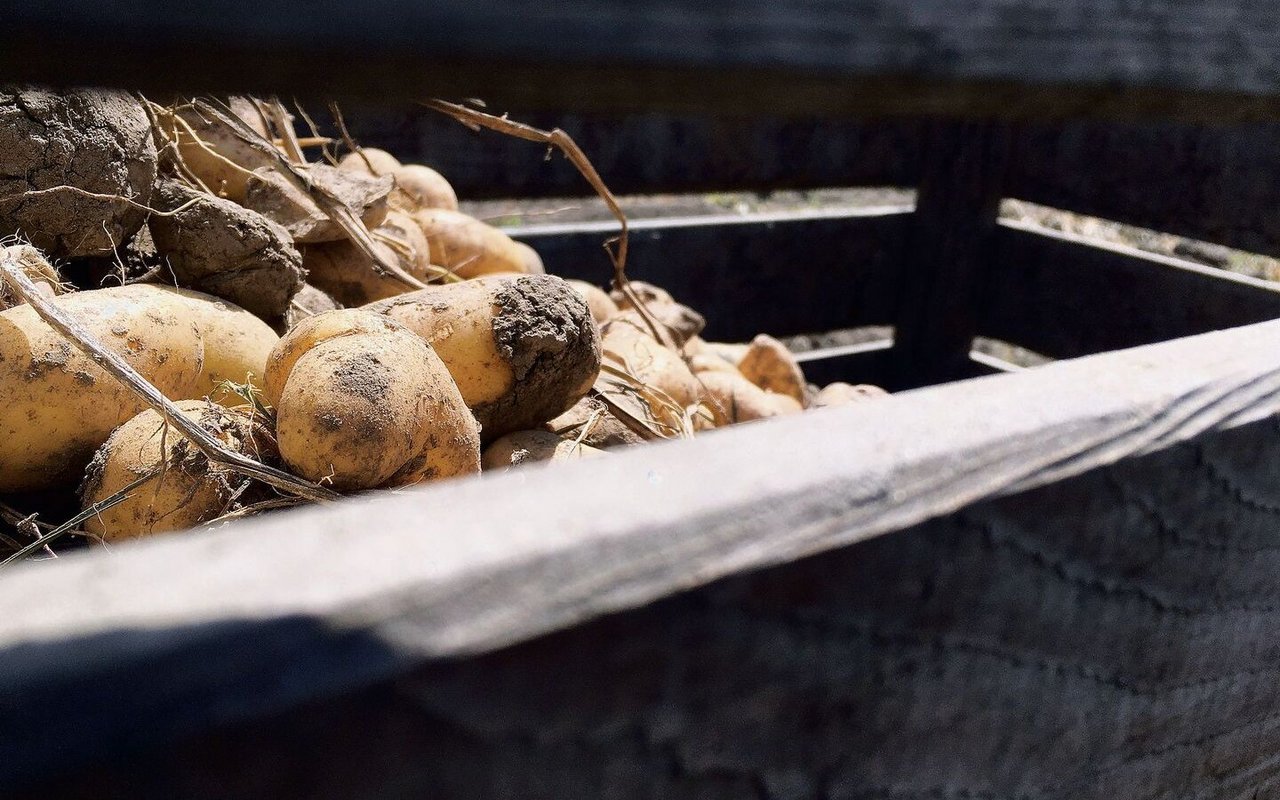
<point x="1050" y="583"/>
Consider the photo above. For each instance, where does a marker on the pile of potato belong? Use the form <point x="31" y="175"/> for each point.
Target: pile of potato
<point x="342" y="321"/>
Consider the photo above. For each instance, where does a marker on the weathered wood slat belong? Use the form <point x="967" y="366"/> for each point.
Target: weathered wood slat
<point x="951" y="243"/>
<point x="818" y="56"/>
<point x="123" y="649"/>
<point x="799" y="272"/>
<point x="1108" y="636"/>
<point x="1067" y="296"/>
<point x="1211" y="182"/>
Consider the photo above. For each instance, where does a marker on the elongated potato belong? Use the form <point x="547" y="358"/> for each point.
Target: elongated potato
<point x="682" y="323"/>
<point x="186" y="489"/>
<point x="628" y="347"/>
<point x="733" y="399"/>
<point x="532" y="261"/>
<point x="362" y="402"/>
<point x="521" y="349"/>
<point x="526" y="447"/>
<point x="344" y="272"/>
<point x="57" y="406"/>
<point x="468" y="246"/>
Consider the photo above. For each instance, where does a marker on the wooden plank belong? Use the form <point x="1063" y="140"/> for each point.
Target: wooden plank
<point x="1108" y="636"/>
<point x="1065" y="296"/>
<point x="777" y="272"/>
<point x="1205" y="59"/>
<point x="950" y="244"/>
<point x="1212" y="182"/>
<point x="179" y="634"/>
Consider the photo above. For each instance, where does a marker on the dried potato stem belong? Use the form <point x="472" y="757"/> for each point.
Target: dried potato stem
<point x="559" y="139"/>
<point x="85" y="341"/>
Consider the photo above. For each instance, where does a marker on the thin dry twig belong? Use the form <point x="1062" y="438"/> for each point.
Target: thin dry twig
<point x="559" y="139"/>
<point x="284" y="128"/>
<point x="87" y="343"/>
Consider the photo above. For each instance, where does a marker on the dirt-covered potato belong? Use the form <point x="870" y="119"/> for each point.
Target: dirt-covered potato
<point x="423" y="187"/>
<point x="770" y="365"/>
<point x="279" y="198"/>
<point x="57" y="405"/>
<point x="211" y="150"/>
<point x="602" y="306"/>
<point x="627" y="346"/>
<point x="468" y="246"/>
<point x="844" y="394"/>
<point x="98" y="141"/>
<point x="368" y="404"/>
<point x="343" y="271"/>
<point x="35" y="267"/>
<point x="526" y="447"/>
<point x="591" y="421"/>
<point x="521" y="349"/>
<point x="370" y="161"/>
<point x="186" y="488"/>
<point x="733" y="399"/>
<point x="216" y="246"/>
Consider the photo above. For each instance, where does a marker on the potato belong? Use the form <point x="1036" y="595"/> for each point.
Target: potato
<point x="629" y="347"/>
<point x="57" y="406"/>
<point x="362" y="402"/>
<point x="216" y="246"/>
<point x="522" y="349"/>
<point x="277" y="197"/>
<point x="344" y="272"/>
<point x="308" y="302"/>
<point x="369" y="160"/>
<point x="423" y="187"/>
<point x="212" y="151"/>
<point x="96" y="140"/>
<point x="188" y="489"/>
<point x="733" y="399"/>
<point x="35" y="267"/>
<point x="770" y="365"/>
<point x="532" y="261"/>
<point x="681" y="322"/>
<point x="592" y="421"/>
<point x="844" y="394"/>
<point x="602" y="306"/>
<point x="468" y="246"/>
<point x="525" y="447"/>
<point x="703" y="362"/>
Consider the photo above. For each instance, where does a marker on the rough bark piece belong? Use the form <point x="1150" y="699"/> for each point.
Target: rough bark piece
<point x="218" y="247"/>
<point x="98" y="141"/>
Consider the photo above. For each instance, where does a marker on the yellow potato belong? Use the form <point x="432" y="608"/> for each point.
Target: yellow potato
<point x="681" y="322"/>
<point x="522" y="349"/>
<point x="591" y="421"/>
<point x="627" y="346"/>
<point x="369" y="406"/>
<point x="34" y="266"/>
<point x="525" y="447"/>
<point x="344" y="272"/>
<point x="57" y="405"/>
<point x="467" y="246"/>
<point x="733" y="399"/>
<point x="844" y="394"/>
<point x="212" y="152"/>
<point x="602" y="306"/>
<point x="186" y="488"/>
<point x="372" y="162"/>
<point x="423" y="187"/>
<point x="770" y="365"/>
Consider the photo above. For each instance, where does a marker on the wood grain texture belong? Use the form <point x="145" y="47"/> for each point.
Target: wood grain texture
<point x="1066" y="296"/>
<point x="177" y="635"/>
<point x="950" y="248"/>
<point x="826" y="56"/>
<point x="1111" y="635"/>
<point x="747" y="274"/>
<point x="1213" y="182"/>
